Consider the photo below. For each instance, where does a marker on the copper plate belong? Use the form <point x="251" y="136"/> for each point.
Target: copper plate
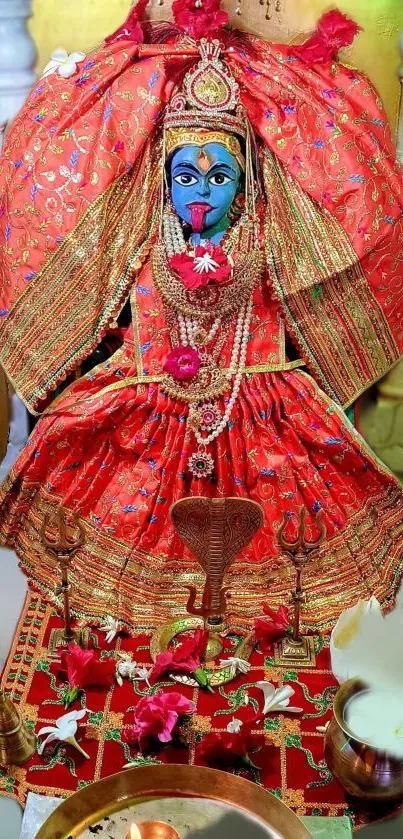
<point x="91" y="804"/>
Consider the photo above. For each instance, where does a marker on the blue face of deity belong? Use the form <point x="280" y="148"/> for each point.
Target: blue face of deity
<point x="204" y="184"/>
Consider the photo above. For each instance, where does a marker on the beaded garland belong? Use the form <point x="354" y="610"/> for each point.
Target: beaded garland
<point x="204" y="317"/>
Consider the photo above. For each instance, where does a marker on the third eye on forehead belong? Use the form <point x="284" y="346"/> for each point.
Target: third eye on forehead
<point x="204" y="160"/>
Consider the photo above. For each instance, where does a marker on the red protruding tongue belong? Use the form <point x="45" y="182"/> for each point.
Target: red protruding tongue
<point x="197" y="213"/>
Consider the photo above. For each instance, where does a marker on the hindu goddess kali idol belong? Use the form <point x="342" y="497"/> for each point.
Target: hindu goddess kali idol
<point x="230" y="210"/>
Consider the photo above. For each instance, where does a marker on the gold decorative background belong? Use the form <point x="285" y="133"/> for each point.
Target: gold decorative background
<point x="79" y="24"/>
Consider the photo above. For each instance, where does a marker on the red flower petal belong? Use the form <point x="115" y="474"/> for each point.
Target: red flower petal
<point x="185" y="658"/>
<point x="182" y="363"/>
<point x="131" y="29"/>
<point x="334" y="31"/>
<point x="227" y="748"/>
<point x="199" y="22"/>
<point x="271" y="627"/>
<point x="155" y="718"/>
<point x="84" y="668"/>
<point x="193" y="647"/>
<point x="185" y="267"/>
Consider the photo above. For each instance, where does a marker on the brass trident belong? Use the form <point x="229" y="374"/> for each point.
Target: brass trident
<point x="300" y="552"/>
<point x="63" y="546"/>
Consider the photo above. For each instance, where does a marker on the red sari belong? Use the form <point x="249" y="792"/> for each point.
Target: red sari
<point x="114" y="448"/>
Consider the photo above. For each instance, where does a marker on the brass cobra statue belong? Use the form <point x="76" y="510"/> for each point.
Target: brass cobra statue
<point x="215" y="530"/>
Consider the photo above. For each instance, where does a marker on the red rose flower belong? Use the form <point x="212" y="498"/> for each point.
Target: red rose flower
<point x="271" y="628"/>
<point x="185" y="658"/>
<point x="84" y="669"/>
<point x="131" y="30"/>
<point x="155" y="718"/>
<point x="199" y="22"/>
<point x="208" y="265"/>
<point x="182" y="363"/>
<point x="227" y="748"/>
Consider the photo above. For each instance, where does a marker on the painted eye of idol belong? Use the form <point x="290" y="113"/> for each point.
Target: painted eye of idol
<point x="185" y="179"/>
<point x="204" y="183"/>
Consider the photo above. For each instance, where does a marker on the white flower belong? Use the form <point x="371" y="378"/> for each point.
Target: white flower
<point x="128" y="669"/>
<point x="204" y="264"/>
<point x="64" y="730"/>
<point x="111" y="627"/>
<point x="143" y="675"/>
<point x="234" y="726"/>
<point x="63" y="63"/>
<point x="277" y="700"/>
<point x="236" y="664"/>
<point x="125" y="670"/>
<point x="322" y="729"/>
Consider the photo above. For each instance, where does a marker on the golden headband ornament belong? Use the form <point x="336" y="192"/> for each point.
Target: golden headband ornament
<point x="176" y="138"/>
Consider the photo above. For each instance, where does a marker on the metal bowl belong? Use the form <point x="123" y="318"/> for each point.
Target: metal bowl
<point x="363" y="770"/>
<point x="159" y="792"/>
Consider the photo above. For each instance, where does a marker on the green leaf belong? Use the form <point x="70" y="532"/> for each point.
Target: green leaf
<point x="202" y="679"/>
<point x="249" y="763"/>
<point x="70" y="695"/>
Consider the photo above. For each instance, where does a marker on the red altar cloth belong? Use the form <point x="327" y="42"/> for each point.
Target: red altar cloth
<point x="292" y="763"/>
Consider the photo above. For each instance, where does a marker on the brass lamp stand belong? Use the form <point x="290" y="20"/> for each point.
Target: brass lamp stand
<point x="298" y="650"/>
<point x="69" y="536"/>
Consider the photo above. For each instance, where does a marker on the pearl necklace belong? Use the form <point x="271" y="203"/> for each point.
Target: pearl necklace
<point x="188" y="328"/>
<point x="236" y="368"/>
<point x="206" y="417"/>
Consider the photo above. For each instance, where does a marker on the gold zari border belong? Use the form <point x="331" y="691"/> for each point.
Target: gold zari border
<point x="330" y="310"/>
<point x="143" y="589"/>
<point x="61" y="315"/>
<point x="146" y="380"/>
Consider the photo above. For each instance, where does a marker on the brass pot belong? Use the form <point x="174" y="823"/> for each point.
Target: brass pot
<point x="363" y="770"/>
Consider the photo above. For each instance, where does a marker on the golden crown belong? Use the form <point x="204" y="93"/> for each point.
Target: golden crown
<point x="209" y="98"/>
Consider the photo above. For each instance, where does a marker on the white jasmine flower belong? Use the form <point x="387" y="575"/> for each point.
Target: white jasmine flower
<point x="277" y="700"/>
<point x="234" y="726"/>
<point x="111" y="627"/>
<point x="63" y="63"/>
<point x="204" y="264"/>
<point x="64" y="730"/>
<point x="143" y="674"/>
<point x="126" y="669"/>
<point x="236" y="664"/>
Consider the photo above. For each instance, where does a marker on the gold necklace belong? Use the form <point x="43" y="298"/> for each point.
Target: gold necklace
<point x="210" y="300"/>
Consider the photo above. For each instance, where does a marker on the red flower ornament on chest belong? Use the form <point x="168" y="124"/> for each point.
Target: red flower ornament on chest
<point x="208" y="265"/>
<point x="182" y="363"/>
